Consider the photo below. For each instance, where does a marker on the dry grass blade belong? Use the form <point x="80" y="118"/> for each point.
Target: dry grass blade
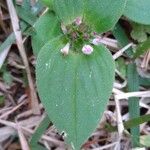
<point x="120" y="52"/>
<point x="119" y="118"/>
<point x="107" y="146"/>
<point x="19" y="41"/>
<point x="133" y="94"/>
<point x="30" y="132"/>
<point x="23" y="140"/>
<point x="12" y="110"/>
<point x="146" y="60"/>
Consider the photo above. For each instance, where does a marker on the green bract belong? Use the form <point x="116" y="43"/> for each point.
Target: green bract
<point x="75" y="88"/>
<point x="102" y="15"/>
<point x="138" y="11"/>
<point x="46" y="28"/>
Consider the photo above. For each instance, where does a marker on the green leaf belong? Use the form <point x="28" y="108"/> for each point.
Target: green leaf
<point x="138" y="32"/>
<point x="26" y="4"/>
<point x="68" y="10"/>
<point x="120" y="66"/>
<point x="26" y="15"/>
<point x="46" y="28"/>
<point x="122" y="38"/>
<point x="74" y="89"/>
<point x="142" y="48"/>
<point x="37" y="8"/>
<point x="138" y="11"/>
<point x="102" y="15"/>
<point x="48" y="3"/>
<point x="147" y="28"/>
<point x="8" y="42"/>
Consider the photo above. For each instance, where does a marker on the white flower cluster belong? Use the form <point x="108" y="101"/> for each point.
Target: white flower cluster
<point x="87" y="49"/>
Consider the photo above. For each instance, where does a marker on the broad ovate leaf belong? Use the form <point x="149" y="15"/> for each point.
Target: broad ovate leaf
<point x="46" y="28"/>
<point x="74" y="88"/>
<point x="138" y="11"/>
<point x="102" y="15"/>
<point x="68" y="10"/>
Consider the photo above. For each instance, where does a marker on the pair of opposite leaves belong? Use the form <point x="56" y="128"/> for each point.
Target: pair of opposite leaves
<point x="75" y="89"/>
<point x="136" y="10"/>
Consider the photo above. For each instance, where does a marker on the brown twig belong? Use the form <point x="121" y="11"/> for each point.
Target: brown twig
<point x="12" y="110"/>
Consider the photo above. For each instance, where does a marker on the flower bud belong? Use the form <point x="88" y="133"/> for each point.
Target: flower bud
<point x="87" y="49"/>
<point x="96" y="41"/>
<point x="65" y="50"/>
<point x="78" y="21"/>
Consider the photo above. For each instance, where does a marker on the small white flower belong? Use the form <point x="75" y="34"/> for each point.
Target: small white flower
<point x="65" y="50"/>
<point x="78" y="21"/>
<point x="87" y="49"/>
<point x="96" y="41"/>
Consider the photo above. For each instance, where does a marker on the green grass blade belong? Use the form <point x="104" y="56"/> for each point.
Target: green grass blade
<point x="122" y="38"/>
<point x="130" y="123"/>
<point x="145" y="82"/>
<point x="134" y="108"/>
<point x="38" y="133"/>
<point x="9" y="41"/>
